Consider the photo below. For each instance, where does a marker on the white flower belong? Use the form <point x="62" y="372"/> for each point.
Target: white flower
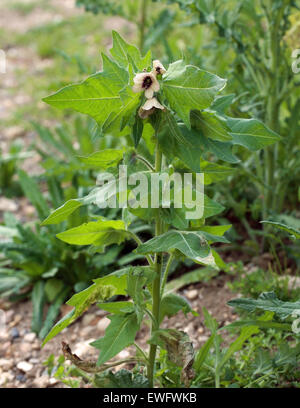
<point x="145" y="81"/>
<point x="158" y="68"/>
<point x="152" y="103"/>
<point x="149" y="107"/>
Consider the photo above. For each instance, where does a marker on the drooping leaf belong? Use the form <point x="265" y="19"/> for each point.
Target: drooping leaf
<point x="188" y="87"/>
<point x="119" y="334"/>
<point x="180" y="350"/>
<point x="102" y="289"/>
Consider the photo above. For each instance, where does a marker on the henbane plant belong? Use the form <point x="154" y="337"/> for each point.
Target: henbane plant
<point x="174" y="120"/>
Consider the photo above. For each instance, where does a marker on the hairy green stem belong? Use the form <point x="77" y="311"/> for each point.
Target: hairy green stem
<point x="156" y="283"/>
<point x="166" y="273"/>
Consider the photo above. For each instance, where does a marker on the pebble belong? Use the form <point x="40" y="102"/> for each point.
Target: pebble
<point x="87" y="318"/>
<point x="202" y="338"/>
<point x="41" y="382"/>
<point x="25" y="348"/>
<point x="14" y="333"/>
<point x="5" y="378"/>
<point x="192" y="294"/>
<point x="102" y="324"/>
<point x="6" y="364"/>
<point x="30" y="337"/>
<point x="24" y="366"/>
<point x="21" y="377"/>
<point x="86" y="331"/>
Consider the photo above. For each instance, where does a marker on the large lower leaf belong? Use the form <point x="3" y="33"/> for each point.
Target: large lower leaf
<point x="120" y="334"/>
<point x="102" y="289"/>
<point x="188" y="87"/>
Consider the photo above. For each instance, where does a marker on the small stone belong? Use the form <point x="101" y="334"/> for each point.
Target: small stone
<point x="86" y="331"/>
<point x="200" y="330"/>
<point x="41" y="382"/>
<point x="123" y="354"/>
<point x="9" y="315"/>
<point x="53" y="381"/>
<point x="14" y="333"/>
<point x="24" y="366"/>
<point x="34" y="360"/>
<point x="87" y="318"/>
<point x="24" y="348"/>
<point x="6" y="364"/>
<point x="102" y="324"/>
<point x="202" y="339"/>
<point x="192" y="294"/>
<point x="30" y="337"/>
<point x="5" y="378"/>
<point x="21" y="377"/>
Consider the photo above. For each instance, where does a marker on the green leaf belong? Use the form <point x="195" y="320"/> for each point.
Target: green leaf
<point x="203" y="353"/>
<point x="62" y="213"/>
<point x="193" y="244"/>
<point x="118" y="119"/>
<point x="53" y="311"/>
<point x="251" y="133"/>
<point x="33" y="193"/>
<point x="188" y="87"/>
<point x="216" y="229"/>
<point x="292" y="231"/>
<point x="97" y="96"/>
<point x="102" y="289"/>
<point x="52" y="288"/>
<point x="121" y="379"/>
<point x="171" y="304"/>
<point x="96" y="233"/>
<point x="137" y="130"/>
<point x="125" y="53"/>
<point x="267" y="301"/>
<point x="117" y="307"/>
<point x="210" y="125"/>
<point x="258" y="323"/>
<point x="214" y="172"/>
<point x="103" y="159"/>
<point x="222" y="103"/>
<point x="38" y="301"/>
<point x="119" y="334"/>
<point x="139" y="277"/>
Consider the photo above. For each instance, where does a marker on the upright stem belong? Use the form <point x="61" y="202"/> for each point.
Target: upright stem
<point x="157" y="280"/>
<point x="143" y="23"/>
